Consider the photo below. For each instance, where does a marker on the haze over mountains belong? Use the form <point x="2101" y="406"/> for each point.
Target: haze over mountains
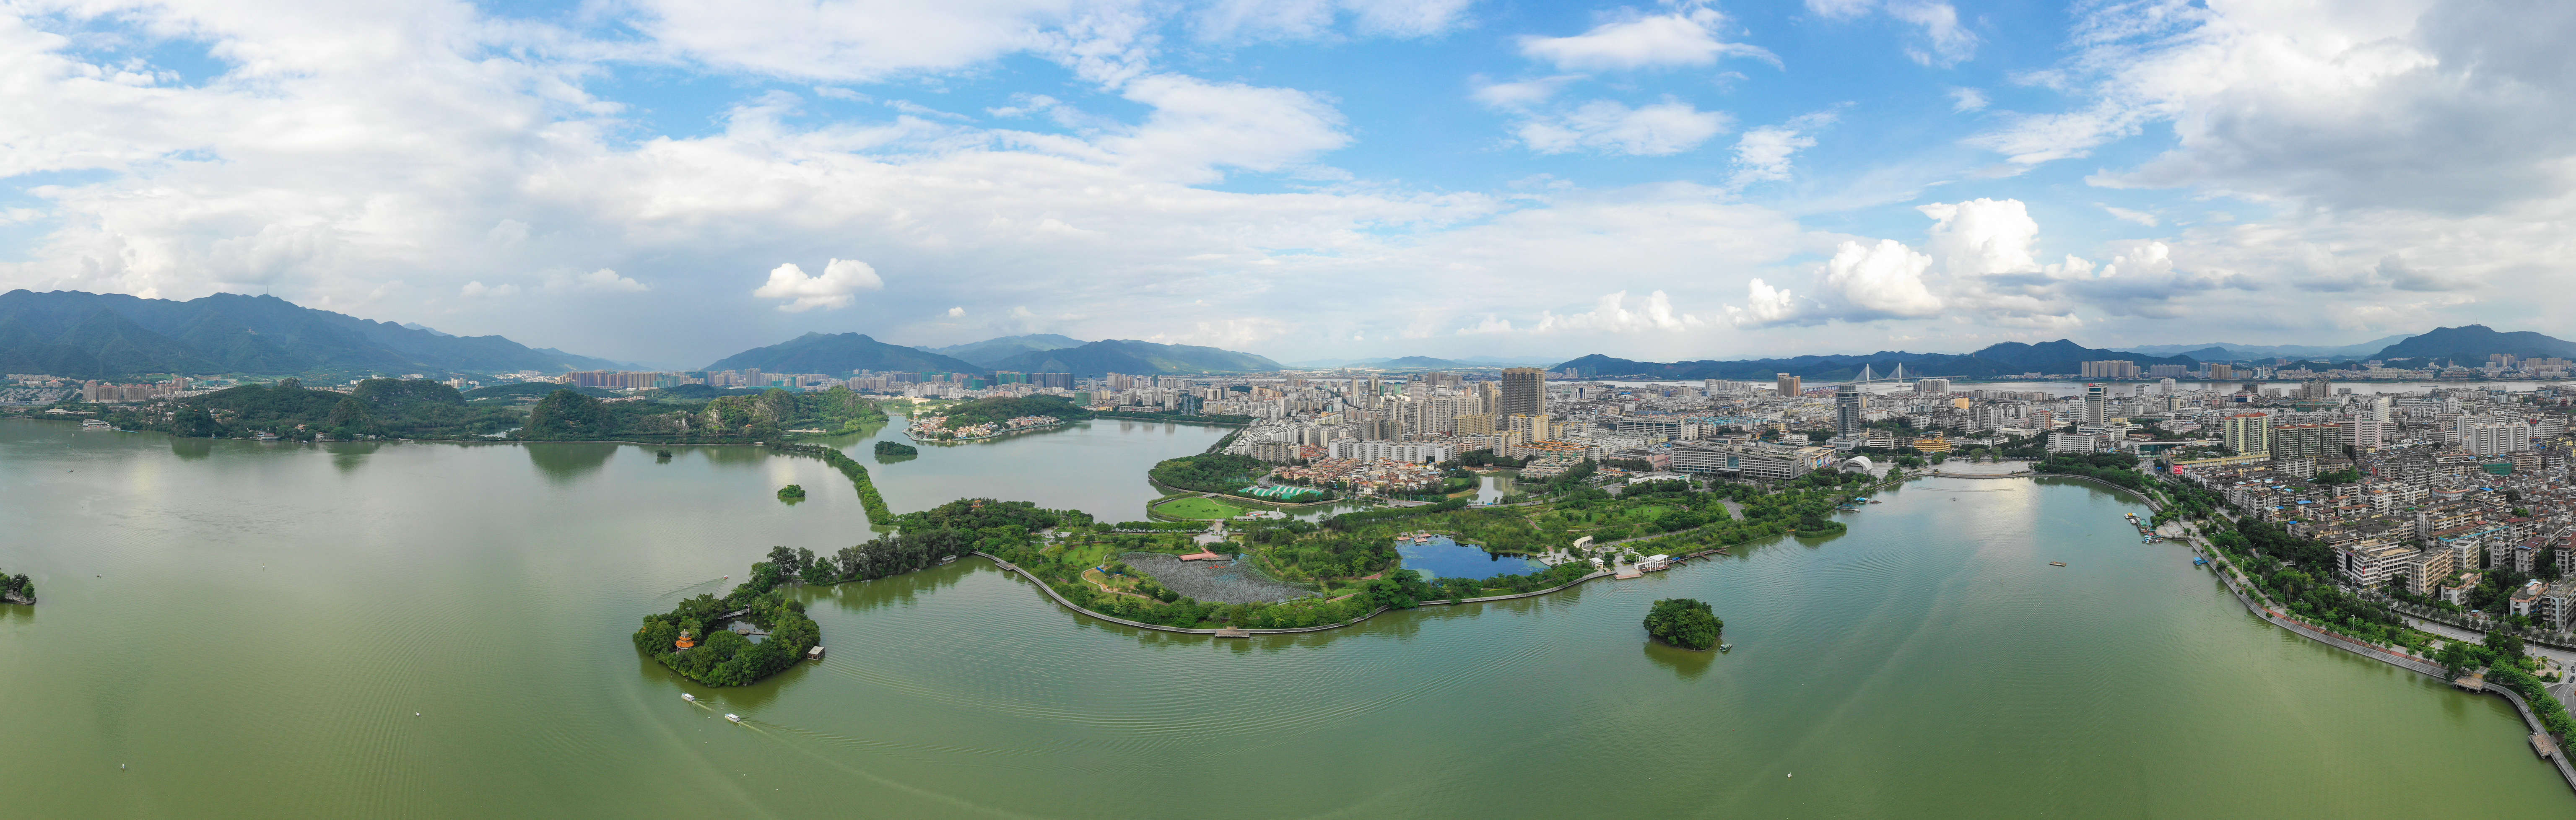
<point x="2007" y="359"/>
<point x="108" y="336"/>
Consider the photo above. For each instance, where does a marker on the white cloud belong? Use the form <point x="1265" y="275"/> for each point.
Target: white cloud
<point x="1884" y="279"/>
<point x="1519" y="95"/>
<point x="838" y="287"/>
<point x="956" y="312"/>
<point x="1610" y="314"/>
<point x="1688" y="37"/>
<point x="1763" y="154"/>
<point x="602" y="280"/>
<point x="477" y="290"/>
<point x="1964" y="100"/>
<point x="1605" y="126"/>
<point x="1983" y="236"/>
<point x="1943" y="42"/>
<point x="1764" y="305"/>
<point x="2126" y="215"/>
<point x="1198" y="126"/>
<point x="1237" y="20"/>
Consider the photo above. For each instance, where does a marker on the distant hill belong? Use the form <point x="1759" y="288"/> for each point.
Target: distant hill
<point x="988" y="351"/>
<point x="839" y="353"/>
<point x="1135" y="357"/>
<point x="111" y="335"/>
<point x="2007" y="359"/>
<point x="1421" y="363"/>
<point x="2471" y="344"/>
<point x="2232" y="352"/>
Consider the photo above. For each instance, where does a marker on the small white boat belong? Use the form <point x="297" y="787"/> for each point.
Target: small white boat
<point x="688" y="697"/>
<point x="733" y="717"/>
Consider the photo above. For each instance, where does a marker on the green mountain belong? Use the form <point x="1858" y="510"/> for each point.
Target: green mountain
<point x="840" y="353"/>
<point x="110" y="335"/>
<point x="1136" y="358"/>
<point x="2471" y="344"/>
<point x="988" y="351"/>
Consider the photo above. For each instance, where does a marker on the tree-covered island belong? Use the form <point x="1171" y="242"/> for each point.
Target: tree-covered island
<point x="16" y="589"/>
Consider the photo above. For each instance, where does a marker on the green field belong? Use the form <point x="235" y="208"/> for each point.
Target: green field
<point x="1195" y="507"/>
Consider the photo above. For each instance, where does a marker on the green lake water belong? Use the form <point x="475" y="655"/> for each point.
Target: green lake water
<point x="253" y="628"/>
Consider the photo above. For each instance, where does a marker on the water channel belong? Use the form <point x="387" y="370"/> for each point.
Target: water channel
<point x="434" y="630"/>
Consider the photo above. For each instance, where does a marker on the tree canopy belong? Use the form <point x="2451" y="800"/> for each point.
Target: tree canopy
<point x="1684" y="622"/>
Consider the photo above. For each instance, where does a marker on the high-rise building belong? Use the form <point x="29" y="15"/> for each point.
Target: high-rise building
<point x="2221" y="372"/>
<point x="2316" y="390"/>
<point x="2166" y="386"/>
<point x="2247" y="434"/>
<point x="1524" y="391"/>
<point x="2096" y="406"/>
<point x="1931" y="387"/>
<point x="1847" y="409"/>
<point x="2112" y="369"/>
<point x="2307" y="440"/>
<point x="1790" y="386"/>
<point x="2488" y="436"/>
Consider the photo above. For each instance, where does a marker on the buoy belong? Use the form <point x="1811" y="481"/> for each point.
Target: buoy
<point x="733" y="717"/>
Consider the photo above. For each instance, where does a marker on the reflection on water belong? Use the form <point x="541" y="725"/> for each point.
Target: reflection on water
<point x="1689" y="664"/>
<point x="192" y="449"/>
<point x="563" y="462"/>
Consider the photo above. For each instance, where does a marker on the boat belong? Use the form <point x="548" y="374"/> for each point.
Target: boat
<point x="1726" y="647"/>
<point x="2057" y="563"/>
<point x="733" y="717"/>
<point x="688" y="697"/>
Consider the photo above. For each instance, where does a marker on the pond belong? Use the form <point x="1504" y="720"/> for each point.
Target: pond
<point x="1442" y="557"/>
<point x="1491" y="487"/>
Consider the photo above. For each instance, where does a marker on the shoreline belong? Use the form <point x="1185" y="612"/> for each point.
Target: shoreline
<point x="2226" y="577"/>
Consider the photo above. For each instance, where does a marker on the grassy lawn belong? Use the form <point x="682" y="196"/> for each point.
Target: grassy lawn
<point x="1195" y="507"/>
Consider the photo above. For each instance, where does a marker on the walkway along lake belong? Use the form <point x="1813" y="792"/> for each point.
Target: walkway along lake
<point x="252" y="628"/>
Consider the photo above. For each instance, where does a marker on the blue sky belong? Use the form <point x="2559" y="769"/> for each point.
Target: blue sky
<point x="668" y="182"/>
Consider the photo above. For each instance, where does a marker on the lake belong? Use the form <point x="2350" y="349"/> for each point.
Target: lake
<point x="1442" y="557"/>
<point x="436" y="630"/>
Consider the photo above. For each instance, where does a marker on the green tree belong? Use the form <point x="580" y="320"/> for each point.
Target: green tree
<point x="1684" y="622"/>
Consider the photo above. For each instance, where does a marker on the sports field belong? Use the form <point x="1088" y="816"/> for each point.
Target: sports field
<point x="1196" y="507"/>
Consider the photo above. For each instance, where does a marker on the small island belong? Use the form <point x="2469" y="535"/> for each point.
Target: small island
<point x="889" y="449"/>
<point x="1684" y="622"/>
<point x="792" y="493"/>
<point x="771" y="632"/>
<point x="16" y="589"/>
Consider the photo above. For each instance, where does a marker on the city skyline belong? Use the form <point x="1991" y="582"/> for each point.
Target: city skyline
<point x="1650" y="180"/>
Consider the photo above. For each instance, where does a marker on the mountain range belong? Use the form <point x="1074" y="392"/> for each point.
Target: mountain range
<point x="2006" y="359"/>
<point x="989" y="351"/>
<point x="2232" y="352"/>
<point x="112" y="335"/>
<point x="839" y="353"/>
<point x="2471" y="344"/>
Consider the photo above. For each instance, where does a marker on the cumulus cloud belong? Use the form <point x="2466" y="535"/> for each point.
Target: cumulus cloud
<point x="956" y="312"/>
<point x="1764" y="305"/>
<point x="1884" y="279"/>
<point x="838" y="287"/>
<point x="1964" y="100"/>
<point x="1686" y="37"/>
<point x="477" y="290"/>
<point x="1609" y="127"/>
